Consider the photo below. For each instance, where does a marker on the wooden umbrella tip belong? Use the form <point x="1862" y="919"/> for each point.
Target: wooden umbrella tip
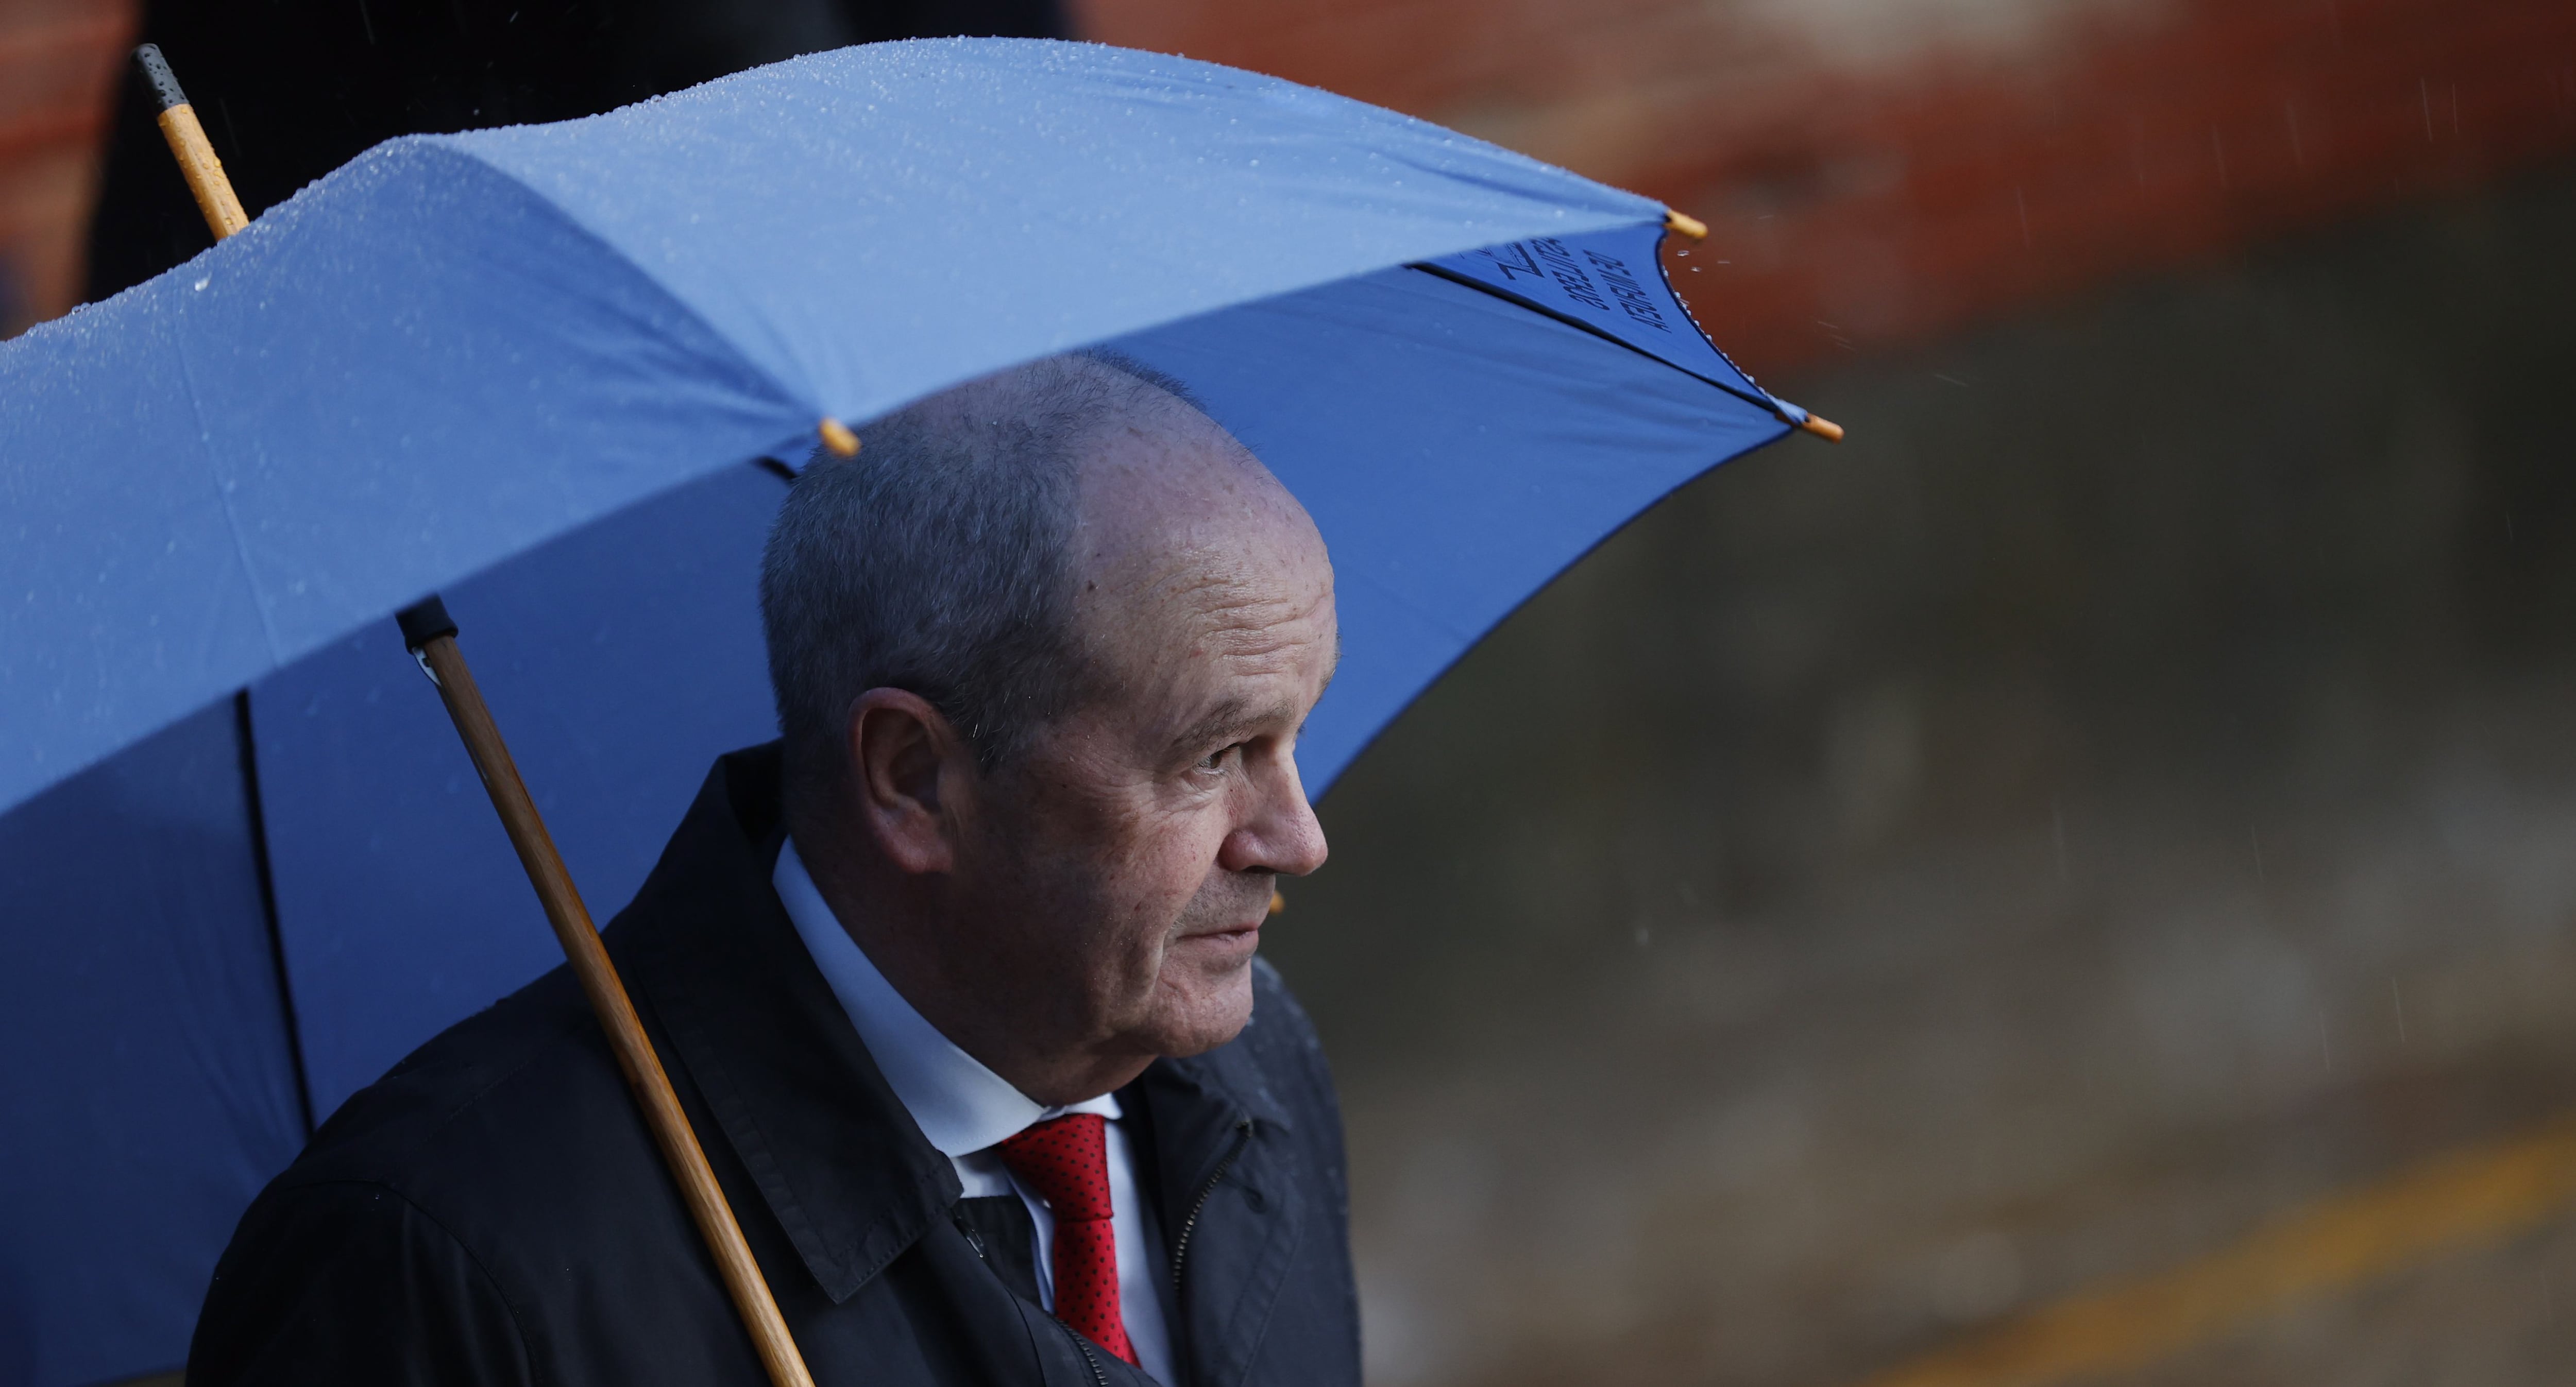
<point x="1685" y="224"/>
<point x="1822" y="427"/>
<point x="1277" y="902"/>
<point x="838" y="438"/>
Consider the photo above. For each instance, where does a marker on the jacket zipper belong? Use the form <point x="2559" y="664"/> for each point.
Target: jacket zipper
<point x="1083" y="1342"/>
<point x="1099" y="1378"/>
<point x="1181" y="1245"/>
<point x="974" y="1240"/>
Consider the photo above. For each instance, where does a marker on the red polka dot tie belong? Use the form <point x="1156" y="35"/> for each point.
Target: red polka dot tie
<point x="1066" y="1160"/>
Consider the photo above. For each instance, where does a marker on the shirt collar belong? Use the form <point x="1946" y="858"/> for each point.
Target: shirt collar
<point x="960" y="1105"/>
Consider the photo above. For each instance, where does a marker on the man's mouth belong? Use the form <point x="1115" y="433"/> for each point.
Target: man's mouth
<point x="1228" y="938"/>
<point x="1243" y="932"/>
<point x="1224" y="931"/>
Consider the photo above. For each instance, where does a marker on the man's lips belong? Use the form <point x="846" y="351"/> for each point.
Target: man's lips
<point x="1244" y="929"/>
<point x="1223" y="933"/>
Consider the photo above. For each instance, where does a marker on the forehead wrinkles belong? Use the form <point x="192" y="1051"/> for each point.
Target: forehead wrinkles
<point x="1222" y="604"/>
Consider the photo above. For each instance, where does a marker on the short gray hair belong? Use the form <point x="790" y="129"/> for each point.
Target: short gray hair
<point x="938" y="560"/>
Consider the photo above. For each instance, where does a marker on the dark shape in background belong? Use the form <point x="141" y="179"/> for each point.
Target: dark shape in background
<point x="290" y="91"/>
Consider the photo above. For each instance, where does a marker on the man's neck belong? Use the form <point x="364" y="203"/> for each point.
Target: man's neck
<point x="899" y="925"/>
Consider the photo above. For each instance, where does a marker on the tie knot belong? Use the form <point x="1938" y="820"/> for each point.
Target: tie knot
<point x="1066" y="1160"/>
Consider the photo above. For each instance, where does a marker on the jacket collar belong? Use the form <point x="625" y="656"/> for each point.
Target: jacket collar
<point x="840" y="1163"/>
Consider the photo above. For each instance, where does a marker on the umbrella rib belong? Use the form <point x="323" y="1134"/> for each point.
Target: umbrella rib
<point x="258" y="814"/>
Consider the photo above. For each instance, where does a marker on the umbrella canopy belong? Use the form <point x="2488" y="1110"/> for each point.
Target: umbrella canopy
<point x="528" y="367"/>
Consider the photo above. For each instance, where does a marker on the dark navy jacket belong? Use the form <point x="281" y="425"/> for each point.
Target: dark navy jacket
<point x="493" y="1211"/>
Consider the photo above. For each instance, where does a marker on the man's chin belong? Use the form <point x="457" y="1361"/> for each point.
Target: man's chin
<point x="1203" y="1007"/>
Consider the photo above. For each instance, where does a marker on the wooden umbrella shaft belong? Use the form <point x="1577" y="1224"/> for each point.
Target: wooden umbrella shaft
<point x="188" y="145"/>
<point x="599" y="980"/>
<point x="432" y="637"/>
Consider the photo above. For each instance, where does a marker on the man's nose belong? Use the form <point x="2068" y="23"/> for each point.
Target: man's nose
<point x="1282" y="835"/>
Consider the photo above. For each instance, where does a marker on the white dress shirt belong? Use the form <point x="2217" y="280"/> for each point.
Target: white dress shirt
<point x="966" y="1109"/>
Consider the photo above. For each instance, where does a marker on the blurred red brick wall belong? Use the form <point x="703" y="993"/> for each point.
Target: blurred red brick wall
<point x="58" y="70"/>
<point x="1879" y="171"/>
<point x="1876" y="171"/>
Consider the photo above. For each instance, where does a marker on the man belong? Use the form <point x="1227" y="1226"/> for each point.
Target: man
<point x="957" y="981"/>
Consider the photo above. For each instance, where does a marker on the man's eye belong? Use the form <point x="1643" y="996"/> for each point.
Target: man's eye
<point x="1220" y="758"/>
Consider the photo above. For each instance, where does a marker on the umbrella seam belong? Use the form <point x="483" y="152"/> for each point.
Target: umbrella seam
<point x="444" y="147"/>
<point x="460" y="145"/>
<point x="246" y="742"/>
<point x="1759" y="397"/>
<point x="223" y="498"/>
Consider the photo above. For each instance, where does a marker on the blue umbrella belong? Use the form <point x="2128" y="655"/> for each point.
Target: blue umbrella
<point x="247" y="866"/>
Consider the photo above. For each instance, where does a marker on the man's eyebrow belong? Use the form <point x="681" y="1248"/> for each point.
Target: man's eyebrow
<point x="1221" y="723"/>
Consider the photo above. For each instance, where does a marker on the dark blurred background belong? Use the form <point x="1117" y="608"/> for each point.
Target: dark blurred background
<point x="2123" y="796"/>
<point x="2076" y="884"/>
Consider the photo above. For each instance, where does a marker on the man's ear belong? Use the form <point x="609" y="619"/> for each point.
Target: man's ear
<point x="901" y="749"/>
